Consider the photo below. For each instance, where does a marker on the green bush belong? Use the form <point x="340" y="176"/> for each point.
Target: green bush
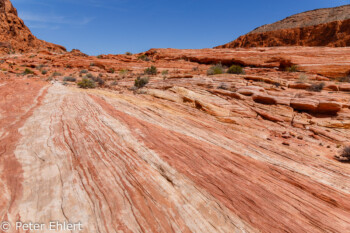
<point x="84" y="71"/>
<point x="165" y="72"/>
<point x="317" y="87"/>
<point x="151" y="70"/>
<point x="28" y="71"/>
<point x="235" y="69"/>
<point x="86" y="83"/>
<point x="44" y="72"/>
<point x="292" y="68"/>
<point x="128" y="53"/>
<point x="216" y="69"/>
<point x="111" y="71"/>
<point x="144" y="57"/>
<point x="69" y="79"/>
<point x="56" y="74"/>
<point x="141" y="82"/>
<point x="89" y="75"/>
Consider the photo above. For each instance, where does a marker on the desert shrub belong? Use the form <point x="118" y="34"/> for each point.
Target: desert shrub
<point x="344" y="79"/>
<point x="114" y="83"/>
<point x="302" y="78"/>
<point x="39" y="67"/>
<point x="128" y="53"/>
<point x="69" y="79"/>
<point x="99" y="56"/>
<point x="216" y="69"/>
<point x="84" y="71"/>
<point x="123" y="73"/>
<point x="346" y="153"/>
<point x="92" y="64"/>
<point x="141" y="82"/>
<point x="235" y="69"/>
<point x="86" y="83"/>
<point x="111" y="70"/>
<point x="317" y="87"/>
<point x="277" y="84"/>
<point x="165" y="72"/>
<point x="28" y="71"/>
<point x="151" y="70"/>
<point x="56" y="74"/>
<point x="223" y="86"/>
<point x="144" y="57"/>
<point x="292" y="68"/>
<point x="98" y="79"/>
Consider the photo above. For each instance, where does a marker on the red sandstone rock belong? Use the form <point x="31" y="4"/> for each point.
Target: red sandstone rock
<point x="264" y="99"/>
<point x="16" y="37"/>
<point x="322" y="27"/>
<point x="344" y="87"/>
<point x="304" y="104"/>
<point x="303" y="86"/>
<point x="329" y="107"/>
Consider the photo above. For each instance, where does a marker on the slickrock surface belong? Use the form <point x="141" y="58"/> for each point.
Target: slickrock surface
<point x="182" y="63"/>
<point x="302" y="29"/>
<point x="330" y="62"/>
<point x="187" y="153"/>
<point x="15" y="35"/>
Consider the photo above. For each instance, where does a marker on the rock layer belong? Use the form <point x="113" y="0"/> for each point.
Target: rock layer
<point x="225" y="153"/>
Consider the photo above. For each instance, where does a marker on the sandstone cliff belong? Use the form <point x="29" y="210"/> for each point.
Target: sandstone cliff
<point x="15" y="35"/>
<point x="302" y="30"/>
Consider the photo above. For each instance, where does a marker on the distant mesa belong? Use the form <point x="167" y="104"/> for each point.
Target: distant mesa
<point x="323" y="27"/>
<point x="15" y="36"/>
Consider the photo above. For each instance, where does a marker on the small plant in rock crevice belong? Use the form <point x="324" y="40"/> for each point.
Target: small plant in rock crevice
<point x="317" y="87"/>
<point x="27" y="71"/>
<point x="292" y="68"/>
<point x="141" y="82"/>
<point x="151" y="71"/>
<point x="235" y="69"/>
<point x="216" y="69"/>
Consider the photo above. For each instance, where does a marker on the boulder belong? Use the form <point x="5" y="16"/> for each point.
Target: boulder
<point x="303" y="104"/>
<point x="264" y="98"/>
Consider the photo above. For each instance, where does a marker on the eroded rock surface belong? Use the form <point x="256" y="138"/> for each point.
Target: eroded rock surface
<point x="187" y="153"/>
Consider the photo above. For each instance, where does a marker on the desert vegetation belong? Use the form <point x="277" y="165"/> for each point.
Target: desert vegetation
<point x="86" y="83"/>
<point x="216" y="69"/>
<point x="141" y="82"/>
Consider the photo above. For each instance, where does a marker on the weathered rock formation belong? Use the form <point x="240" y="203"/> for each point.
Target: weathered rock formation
<point x="15" y="35"/>
<point x="322" y="27"/>
<point x="187" y="153"/>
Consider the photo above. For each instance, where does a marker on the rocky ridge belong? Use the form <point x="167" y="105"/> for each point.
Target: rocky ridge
<point x="301" y="30"/>
<point x="15" y="35"/>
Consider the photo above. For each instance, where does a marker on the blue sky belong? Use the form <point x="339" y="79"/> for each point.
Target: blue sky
<point x="116" y="26"/>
